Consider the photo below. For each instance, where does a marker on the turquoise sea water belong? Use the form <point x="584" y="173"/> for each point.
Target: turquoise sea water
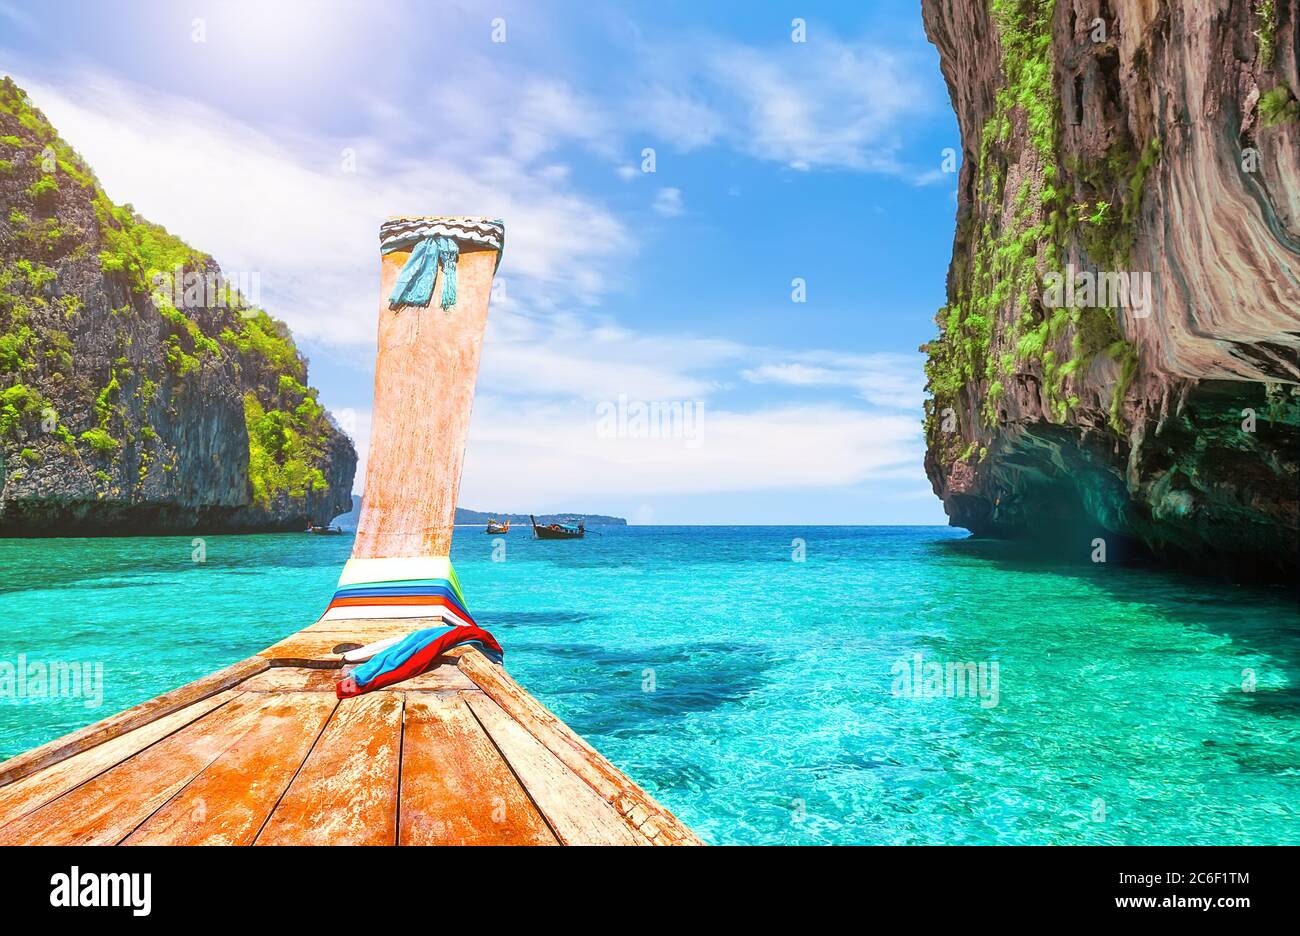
<point x="757" y="696"/>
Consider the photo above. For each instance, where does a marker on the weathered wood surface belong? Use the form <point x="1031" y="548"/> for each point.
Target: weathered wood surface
<point x="134" y="717"/>
<point x="346" y="791"/>
<point x="315" y="645"/>
<point x="456" y="787"/>
<point x="35" y="790"/>
<point x="632" y="802"/>
<point x="293" y="679"/>
<point x="106" y="809"/>
<point x="424" y="390"/>
<point x="573" y="809"/>
<point x="230" y="801"/>
<point x="458" y="755"/>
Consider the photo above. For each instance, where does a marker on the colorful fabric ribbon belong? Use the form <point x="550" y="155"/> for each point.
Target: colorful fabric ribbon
<point x="412" y="656"/>
<point x="398" y="588"/>
<point x="434" y="242"/>
<point x="405" y="587"/>
<point x="414" y="286"/>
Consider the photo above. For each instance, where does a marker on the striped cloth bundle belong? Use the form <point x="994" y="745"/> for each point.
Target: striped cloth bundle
<point x="405" y="588"/>
<point x="398" y="588"/>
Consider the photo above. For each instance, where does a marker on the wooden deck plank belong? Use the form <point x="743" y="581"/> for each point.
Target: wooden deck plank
<point x="346" y="792"/>
<point x="60" y="748"/>
<point x="445" y="676"/>
<point x="228" y="803"/>
<point x="456" y="789"/>
<point x="315" y="649"/>
<point x="315" y="645"/>
<point x="35" y="790"/>
<point x="106" y="809"/>
<point x="292" y="679"/>
<point x="370" y="628"/>
<point x="613" y="786"/>
<point x="577" y="814"/>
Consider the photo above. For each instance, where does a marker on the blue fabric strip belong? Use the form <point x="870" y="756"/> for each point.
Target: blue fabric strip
<point x="397" y="654"/>
<point x="414" y="286"/>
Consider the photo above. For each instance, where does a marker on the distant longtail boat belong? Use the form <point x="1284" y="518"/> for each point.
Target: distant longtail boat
<point x="557" y="530"/>
<point x="496" y="526"/>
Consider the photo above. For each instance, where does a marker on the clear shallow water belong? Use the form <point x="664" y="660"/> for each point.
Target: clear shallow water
<point x="772" y="717"/>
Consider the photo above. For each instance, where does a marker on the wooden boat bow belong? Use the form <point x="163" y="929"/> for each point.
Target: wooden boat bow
<point x="263" y="752"/>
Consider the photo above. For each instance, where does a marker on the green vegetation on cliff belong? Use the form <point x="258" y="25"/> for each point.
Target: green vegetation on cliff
<point x="65" y="245"/>
<point x="262" y="335"/>
<point x="1279" y="106"/>
<point x="1266" y="11"/>
<point x="1003" y="268"/>
<point x="1019" y="236"/>
<point x="281" y="448"/>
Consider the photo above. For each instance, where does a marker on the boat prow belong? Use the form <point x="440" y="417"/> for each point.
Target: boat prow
<point x="263" y="753"/>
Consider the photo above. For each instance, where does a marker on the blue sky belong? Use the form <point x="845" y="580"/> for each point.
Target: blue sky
<point x="277" y="135"/>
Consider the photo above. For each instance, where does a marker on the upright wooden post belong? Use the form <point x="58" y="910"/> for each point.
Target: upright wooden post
<point x="425" y="373"/>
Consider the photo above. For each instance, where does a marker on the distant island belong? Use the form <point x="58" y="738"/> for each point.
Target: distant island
<point x="470" y="517"/>
<point x="348" y="521"/>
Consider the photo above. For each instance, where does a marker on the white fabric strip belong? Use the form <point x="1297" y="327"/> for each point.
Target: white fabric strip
<point x="394" y="613"/>
<point x="394" y="569"/>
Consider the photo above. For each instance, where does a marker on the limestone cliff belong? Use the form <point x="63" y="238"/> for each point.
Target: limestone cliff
<point x="129" y="403"/>
<point x="1159" y="140"/>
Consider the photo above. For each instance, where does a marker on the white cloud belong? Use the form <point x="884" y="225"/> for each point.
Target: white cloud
<point x="543" y="377"/>
<point x="822" y="104"/>
<point x="668" y="202"/>
<point x="932" y="177"/>
<point x="682" y="119"/>
<point x="284" y="205"/>
<point x="564" y="355"/>
<point x="765" y="449"/>
<point x="884" y="379"/>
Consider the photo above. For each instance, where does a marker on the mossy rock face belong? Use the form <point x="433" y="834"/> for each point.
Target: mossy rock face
<point x="1279" y="106"/>
<point x="123" y="397"/>
<point x="1047" y="413"/>
<point x="1028" y="221"/>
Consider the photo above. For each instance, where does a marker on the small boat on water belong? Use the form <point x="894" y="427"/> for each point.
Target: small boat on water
<point x="324" y="531"/>
<point x="496" y="526"/>
<point x="557" y="530"/>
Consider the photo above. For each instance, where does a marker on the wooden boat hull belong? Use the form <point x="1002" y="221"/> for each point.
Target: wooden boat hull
<point x="549" y="534"/>
<point x="263" y="753"/>
<point x="553" y="531"/>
